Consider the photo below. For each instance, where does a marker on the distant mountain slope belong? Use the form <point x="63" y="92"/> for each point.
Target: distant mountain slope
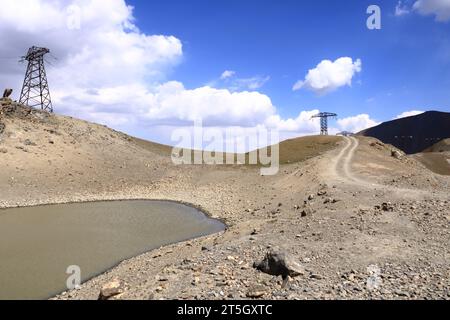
<point x="413" y="134"/>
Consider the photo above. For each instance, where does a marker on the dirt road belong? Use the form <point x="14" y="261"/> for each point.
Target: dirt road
<point x="343" y="171"/>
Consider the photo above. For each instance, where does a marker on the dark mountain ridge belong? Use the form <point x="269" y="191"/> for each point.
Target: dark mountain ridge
<point x="413" y="134"/>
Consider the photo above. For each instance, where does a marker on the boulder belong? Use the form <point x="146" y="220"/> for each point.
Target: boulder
<point x="396" y="154"/>
<point x="279" y="263"/>
<point x="111" y="289"/>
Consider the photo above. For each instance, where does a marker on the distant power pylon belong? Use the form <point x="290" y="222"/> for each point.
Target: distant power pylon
<point x="35" y="91"/>
<point x="324" y="121"/>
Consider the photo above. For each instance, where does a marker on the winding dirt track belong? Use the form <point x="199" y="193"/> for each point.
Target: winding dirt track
<point x="342" y="171"/>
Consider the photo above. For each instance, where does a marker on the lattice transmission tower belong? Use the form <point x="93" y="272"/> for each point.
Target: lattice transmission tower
<point x="35" y="91"/>
<point x="324" y="121"/>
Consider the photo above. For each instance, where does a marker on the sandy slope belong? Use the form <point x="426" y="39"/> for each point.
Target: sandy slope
<point x="327" y="211"/>
<point x="436" y="158"/>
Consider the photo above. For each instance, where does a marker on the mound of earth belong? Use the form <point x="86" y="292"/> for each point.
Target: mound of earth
<point x="436" y="158"/>
<point x="437" y="162"/>
<point x="442" y="146"/>
<point x="56" y="155"/>
<point x="71" y="156"/>
<point x="413" y="134"/>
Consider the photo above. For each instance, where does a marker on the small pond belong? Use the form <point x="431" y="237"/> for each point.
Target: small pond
<point x="38" y="244"/>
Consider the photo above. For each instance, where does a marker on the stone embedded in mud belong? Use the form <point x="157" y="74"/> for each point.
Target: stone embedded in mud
<point x="111" y="289"/>
<point x="279" y="263"/>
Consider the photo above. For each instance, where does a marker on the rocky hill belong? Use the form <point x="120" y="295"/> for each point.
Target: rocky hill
<point x="413" y="134"/>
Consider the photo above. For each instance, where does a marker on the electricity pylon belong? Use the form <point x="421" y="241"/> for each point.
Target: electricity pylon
<point x="324" y="121"/>
<point x="35" y="91"/>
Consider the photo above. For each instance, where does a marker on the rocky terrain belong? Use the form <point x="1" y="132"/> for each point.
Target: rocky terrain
<point x="354" y="219"/>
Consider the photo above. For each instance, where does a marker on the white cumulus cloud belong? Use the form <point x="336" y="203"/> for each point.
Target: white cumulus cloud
<point x="215" y="106"/>
<point x="409" y="114"/>
<point x="110" y="72"/>
<point x="303" y="124"/>
<point x="357" y="123"/>
<point x="439" y="8"/>
<point x="329" y="76"/>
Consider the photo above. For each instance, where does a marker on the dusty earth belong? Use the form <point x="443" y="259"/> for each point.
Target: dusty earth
<point x="437" y="157"/>
<point x="362" y="224"/>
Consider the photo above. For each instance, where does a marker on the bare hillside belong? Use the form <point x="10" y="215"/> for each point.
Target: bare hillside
<point x="442" y="146"/>
<point x="344" y="209"/>
<point x="52" y="154"/>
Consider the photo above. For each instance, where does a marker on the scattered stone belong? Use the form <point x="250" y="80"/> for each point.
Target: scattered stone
<point x="2" y="127"/>
<point x="3" y="150"/>
<point x="256" y="292"/>
<point x="316" y="276"/>
<point x="396" y="154"/>
<point x="306" y="212"/>
<point x="311" y="197"/>
<point x="162" y="279"/>
<point x="377" y="145"/>
<point x="387" y="207"/>
<point x="195" y="281"/>
<point x="21" y="148"/>
<point x="111" y="289"/>
<point x="28" y="142"/>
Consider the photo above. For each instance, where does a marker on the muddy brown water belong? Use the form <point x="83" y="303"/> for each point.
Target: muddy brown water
<point x="38" y="244"/>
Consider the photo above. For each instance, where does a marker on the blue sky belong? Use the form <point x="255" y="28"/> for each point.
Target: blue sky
<point x="405" y="65"/>
<point x="148" y="68"/>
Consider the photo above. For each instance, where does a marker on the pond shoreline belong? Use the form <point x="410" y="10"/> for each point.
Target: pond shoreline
<point x="94" y="236"/>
